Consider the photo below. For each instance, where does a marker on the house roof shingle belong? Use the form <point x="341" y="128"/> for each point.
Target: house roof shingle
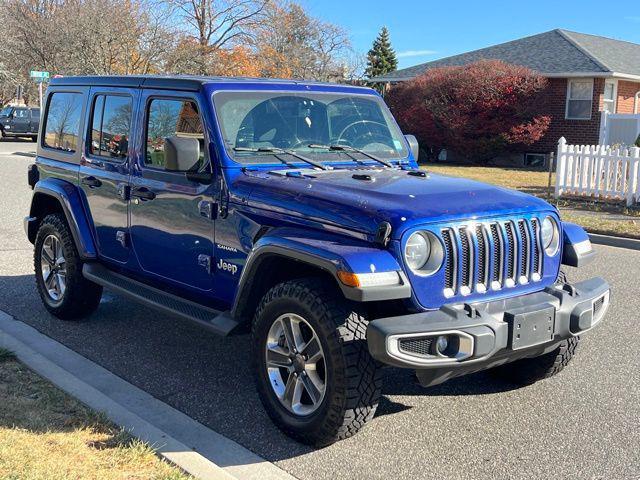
<point x="551" y="53"/>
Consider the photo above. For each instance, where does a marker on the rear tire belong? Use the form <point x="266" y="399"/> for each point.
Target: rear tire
<point x="63" y="289"/>
<point x="530" y="370"/>
<point x="347" y="379"/>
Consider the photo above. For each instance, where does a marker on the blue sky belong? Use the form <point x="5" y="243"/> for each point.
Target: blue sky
<point x="425" y="30"/>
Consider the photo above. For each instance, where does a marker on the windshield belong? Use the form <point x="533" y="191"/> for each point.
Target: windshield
<point x="5" y="111"/>
<point x="294" y="121"/>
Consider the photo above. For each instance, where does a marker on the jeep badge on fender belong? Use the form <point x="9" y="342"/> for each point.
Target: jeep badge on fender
<point x="343" y="256"/>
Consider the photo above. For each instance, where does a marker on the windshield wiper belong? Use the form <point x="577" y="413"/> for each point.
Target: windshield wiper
<point x="280" y="151"/>
<point x="348" y="148"/>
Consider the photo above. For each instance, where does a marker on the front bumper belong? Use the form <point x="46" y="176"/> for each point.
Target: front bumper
<point x="491" y="333"/>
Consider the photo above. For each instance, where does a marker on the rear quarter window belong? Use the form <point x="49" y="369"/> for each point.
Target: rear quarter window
<point x="62" y="125"/>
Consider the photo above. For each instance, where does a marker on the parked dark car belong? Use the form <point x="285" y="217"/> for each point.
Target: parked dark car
<point x="297" y="210"/>
<point x="20" y="122"/>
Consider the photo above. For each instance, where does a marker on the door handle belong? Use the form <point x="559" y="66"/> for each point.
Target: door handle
<point x="143" y="193"/>
<point x="91" y="182"/>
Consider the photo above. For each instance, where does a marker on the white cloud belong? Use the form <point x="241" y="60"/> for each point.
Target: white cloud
<point x="415" y="53"/>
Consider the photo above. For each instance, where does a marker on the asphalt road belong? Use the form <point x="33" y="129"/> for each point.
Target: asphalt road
<point x="581" y="424"/>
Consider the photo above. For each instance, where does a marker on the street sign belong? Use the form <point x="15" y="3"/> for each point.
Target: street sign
<point x="39" y="75"/>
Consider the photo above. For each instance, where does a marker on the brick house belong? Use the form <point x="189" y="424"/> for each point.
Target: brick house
<point x="587" y="75"/>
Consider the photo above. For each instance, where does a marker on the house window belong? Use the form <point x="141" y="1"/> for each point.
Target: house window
<point x="609" y="97"/>
<point x="534" y="159"/>
<point x="579" y="99"/>
<point x="636" y="104"/>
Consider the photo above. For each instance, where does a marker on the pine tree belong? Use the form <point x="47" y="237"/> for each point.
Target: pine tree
<point x="381" y="58"/>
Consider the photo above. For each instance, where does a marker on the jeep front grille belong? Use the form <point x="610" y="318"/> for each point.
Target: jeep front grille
<point x="491" y="256"/>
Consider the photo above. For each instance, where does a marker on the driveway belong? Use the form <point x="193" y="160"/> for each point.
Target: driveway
<point x="583" y="423"/>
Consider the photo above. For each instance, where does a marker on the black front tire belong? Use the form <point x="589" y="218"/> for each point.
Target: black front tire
<point x="81" y="297"/>
<point x="353" y="382"/>
<point x="530" y="370"/>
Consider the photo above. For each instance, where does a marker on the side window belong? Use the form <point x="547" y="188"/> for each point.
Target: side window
<point x="110" y="125"/>
<point x="21" y="113"/>
<point x="62" y="127"/>
<point x="35" y="113"/>
<point x="167" y="118"/>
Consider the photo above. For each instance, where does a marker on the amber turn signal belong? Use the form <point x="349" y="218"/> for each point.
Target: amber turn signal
<point x="348" y="278"/>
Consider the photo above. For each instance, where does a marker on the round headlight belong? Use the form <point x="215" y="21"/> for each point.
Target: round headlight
<point x="423" y="253"/>
<point x="416" y="251"/>
<point x="550" y="236"/>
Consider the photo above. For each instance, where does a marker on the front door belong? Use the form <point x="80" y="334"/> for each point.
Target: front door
<point x="104" y="169"/>
<point x="21" y="121"/>
<point x="171" y="233"/>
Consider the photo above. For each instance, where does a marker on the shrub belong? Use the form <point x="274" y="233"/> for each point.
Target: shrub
<point x="478" y="110"/>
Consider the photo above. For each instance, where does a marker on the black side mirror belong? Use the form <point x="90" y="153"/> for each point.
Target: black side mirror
<point x="413" y="145"/>
<point x="181" y="154"/>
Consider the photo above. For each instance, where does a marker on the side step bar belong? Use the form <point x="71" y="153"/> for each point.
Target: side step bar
<point x="215" y="321"/>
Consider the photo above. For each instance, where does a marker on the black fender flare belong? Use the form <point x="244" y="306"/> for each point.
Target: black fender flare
<point x="68" y="197"/>
<point x="330" y="263"/>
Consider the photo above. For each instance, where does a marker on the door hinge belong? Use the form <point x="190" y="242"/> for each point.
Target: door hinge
<point x="122" y="238"/>
<point x="124" y="191"/>
<point x="208" y="209"/>
<point x="205" y="262"/>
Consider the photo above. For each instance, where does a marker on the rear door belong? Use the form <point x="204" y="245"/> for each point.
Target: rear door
<point x="35" y="120"/>
<point x="104" y="168"/>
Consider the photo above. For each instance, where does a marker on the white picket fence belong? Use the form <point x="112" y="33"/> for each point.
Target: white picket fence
<point x="598" y="171"/>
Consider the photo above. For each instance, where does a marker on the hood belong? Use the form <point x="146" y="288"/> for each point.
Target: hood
<point x="359" y="199"/>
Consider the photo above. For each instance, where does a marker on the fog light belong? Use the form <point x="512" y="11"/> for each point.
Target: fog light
<point x="442" y="342"/>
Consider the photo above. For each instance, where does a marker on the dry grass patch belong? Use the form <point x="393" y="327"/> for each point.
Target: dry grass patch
<point x="616" y="218"/>
<point x="46" y="434"/>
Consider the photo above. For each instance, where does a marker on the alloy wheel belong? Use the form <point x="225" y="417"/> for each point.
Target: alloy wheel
<point x="53" y="267"/>
<point x="295" y="364"/>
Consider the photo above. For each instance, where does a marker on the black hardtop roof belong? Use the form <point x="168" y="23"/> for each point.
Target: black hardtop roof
<point x="177" y="82"/>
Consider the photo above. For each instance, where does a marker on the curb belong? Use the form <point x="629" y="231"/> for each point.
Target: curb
<point x="620" y="242"/>
<point x="178" y="438"/>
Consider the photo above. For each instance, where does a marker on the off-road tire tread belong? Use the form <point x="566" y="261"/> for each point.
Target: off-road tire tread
<point x="82" y="296"/>
<point x="530" y="370"/>
<point x="358" y="383"/>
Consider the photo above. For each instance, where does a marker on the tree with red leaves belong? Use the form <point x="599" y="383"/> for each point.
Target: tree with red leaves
<point x="478" y="110"/>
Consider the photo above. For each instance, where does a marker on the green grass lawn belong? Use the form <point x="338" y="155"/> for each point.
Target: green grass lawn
<point x="597" y="217"/>
<point x="46" y="434"/>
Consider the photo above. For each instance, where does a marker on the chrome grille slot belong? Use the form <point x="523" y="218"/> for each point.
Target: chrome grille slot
<point x="536" y="270"/>
<point x="490" y="256"/>
<point x="467" y="265"/>
<point x="498" y="255"/>
<point x="511" y="254"/>
<point x="450" y="267"/>
<point x="483" y="261"/>
<point x="526" y="252"/>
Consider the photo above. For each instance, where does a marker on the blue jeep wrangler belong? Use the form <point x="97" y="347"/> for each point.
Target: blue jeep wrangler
<point x="297" y="210"/>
